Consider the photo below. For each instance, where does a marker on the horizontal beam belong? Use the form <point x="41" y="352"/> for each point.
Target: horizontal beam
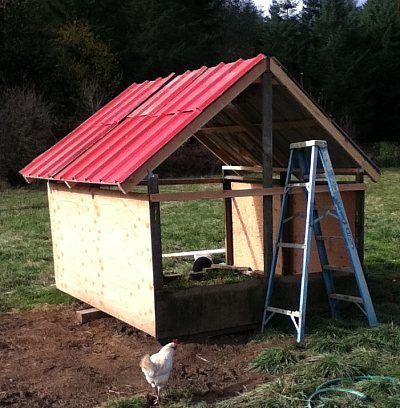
<point x="291" y="124"/>
<point x="193" y="253"/>
<point x="338" y="171"/>
<point x="254" y="192"/>
<point x="258" y="169"/>
<point x="254" y="169"/>
<point x="183" y="181"/>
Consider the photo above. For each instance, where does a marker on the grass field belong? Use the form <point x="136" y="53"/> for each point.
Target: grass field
<point x="333" y="349"/>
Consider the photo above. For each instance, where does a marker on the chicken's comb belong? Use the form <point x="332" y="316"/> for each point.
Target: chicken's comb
<point x="175" y="341"/>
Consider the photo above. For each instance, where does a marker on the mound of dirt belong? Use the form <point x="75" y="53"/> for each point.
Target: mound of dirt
<point x="48" y="359"/>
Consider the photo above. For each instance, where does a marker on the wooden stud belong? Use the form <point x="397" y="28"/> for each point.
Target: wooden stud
<point x="88" y="315"/>
<point x="228" y="222"/>
<point x="267" y="159"/>
<point x="360" y="218"/>
<point x="155" y="227"/>
<point x="286" y="232"/>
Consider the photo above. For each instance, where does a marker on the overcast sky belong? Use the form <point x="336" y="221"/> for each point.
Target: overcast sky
<point x="264" y="4"/>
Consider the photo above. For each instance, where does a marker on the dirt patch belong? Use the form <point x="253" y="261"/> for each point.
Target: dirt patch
<point x="48" y="360"/>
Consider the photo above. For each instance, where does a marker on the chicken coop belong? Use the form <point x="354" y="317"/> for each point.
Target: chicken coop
<point x="104" y="199"/>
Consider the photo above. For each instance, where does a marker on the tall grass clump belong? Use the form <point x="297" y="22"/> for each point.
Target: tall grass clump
<point x="274" y="360"/>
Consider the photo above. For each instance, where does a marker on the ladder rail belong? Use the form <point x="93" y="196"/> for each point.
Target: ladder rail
<point x="307" y="180"/>
<point x="348" y="237"/>
<point x="274" y="260"/>
<point x="307" y="239"/>
<point x="321" y="249"/>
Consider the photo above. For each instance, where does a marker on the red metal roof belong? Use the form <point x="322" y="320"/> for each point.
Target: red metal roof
<point x="123" y="135"/>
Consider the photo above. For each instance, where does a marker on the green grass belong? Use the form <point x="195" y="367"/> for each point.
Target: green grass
<point x="26" y="261"/>
<point x="274" y="360"/>
<point x="134" y="402"/>
<point x="332" y="349"/>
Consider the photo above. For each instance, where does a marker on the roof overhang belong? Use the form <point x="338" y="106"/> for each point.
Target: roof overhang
<point x="221" y="106"/>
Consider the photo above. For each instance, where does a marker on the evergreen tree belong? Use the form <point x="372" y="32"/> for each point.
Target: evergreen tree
<point x="381" y="23"/>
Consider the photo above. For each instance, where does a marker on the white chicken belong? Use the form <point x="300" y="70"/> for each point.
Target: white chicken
<point x="157" y="367"/>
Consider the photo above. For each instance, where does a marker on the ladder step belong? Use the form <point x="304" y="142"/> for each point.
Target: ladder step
<point x="327" y="237"/>
<point x="346" y="298"/>
<point x="333" y="268"/>
<point x="291" y="245"/>
<point x="294" y="313"/>
<point x="290" y="185"/>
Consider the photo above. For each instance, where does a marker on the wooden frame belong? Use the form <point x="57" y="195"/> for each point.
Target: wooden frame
<point x="193" y="127"/>
<point x="299" y="94"/>
<point x="267" y="157"/>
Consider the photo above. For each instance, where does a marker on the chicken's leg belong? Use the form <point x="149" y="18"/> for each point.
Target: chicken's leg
<point x="158" y="395"/>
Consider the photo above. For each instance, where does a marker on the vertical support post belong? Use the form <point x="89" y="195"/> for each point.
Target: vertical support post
<point x="155" y="230"/>
<point x="286" y="231"/>
<point x="360" y="220"/>
<point x="226" y="185"/>
<point x="267" y="167"/>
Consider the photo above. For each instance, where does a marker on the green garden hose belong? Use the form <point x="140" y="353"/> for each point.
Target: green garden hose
<point x="328" y="387"/>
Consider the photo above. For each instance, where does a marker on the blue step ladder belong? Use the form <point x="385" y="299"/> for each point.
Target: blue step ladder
<point x="305" y="155"/>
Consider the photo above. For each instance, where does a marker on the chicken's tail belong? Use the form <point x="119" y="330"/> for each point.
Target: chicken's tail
<point x="146" y="364"/>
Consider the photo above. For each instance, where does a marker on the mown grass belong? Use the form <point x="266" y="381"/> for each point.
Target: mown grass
<point x="333" y="349"/>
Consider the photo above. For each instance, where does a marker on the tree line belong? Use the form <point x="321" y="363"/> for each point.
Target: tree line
<point x="63" y="59"/>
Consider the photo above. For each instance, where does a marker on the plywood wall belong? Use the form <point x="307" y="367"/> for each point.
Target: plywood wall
<point x="335" y="248"/>
<point x="248" y="232"/>
<point x="102" y="251"/>
<point x="248" y="228"/>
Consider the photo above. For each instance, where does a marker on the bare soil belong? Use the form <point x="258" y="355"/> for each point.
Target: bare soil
<point x="47" y="359"/>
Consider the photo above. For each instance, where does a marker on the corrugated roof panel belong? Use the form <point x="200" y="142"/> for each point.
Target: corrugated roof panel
<point x="93" y="129"/>
<point x="63" y="152"/>
<point x="210" y="85"/>
<point x="160" y="130"/>
<point x="117" y="140"/>
<point x="140" y="133"/>
<point x="168" y="93"/>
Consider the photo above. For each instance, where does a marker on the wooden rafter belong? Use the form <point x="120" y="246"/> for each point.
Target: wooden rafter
<point x="329" y="126"/>
<point x="290" y="124"/>
<point x="236" y="115"/>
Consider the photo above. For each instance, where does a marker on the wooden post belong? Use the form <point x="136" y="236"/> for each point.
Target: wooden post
<point x="226" y="185"/>
<point x="286" y="232"/>
<point x="360" y="218"/>
<point x="267" y="166"/>
<point x="155" y="230"/>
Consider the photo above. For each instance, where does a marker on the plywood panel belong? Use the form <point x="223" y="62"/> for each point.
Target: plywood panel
<point x="102" y="251"/>
<point x="247" y="231"/>
<point x="248" y="228"/>
<point x="336" y="250"/>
